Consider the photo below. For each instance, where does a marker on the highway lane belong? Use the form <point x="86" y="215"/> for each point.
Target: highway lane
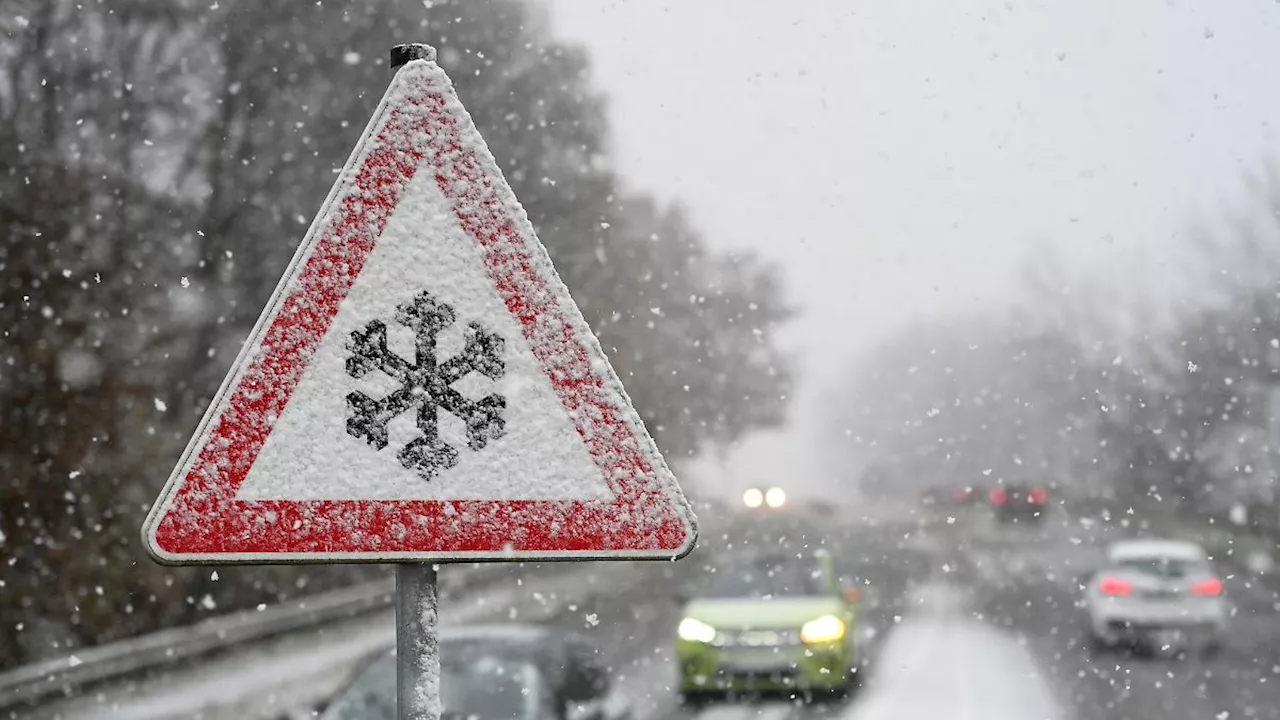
<point x="1011" y="645"/>
<point x="893" y="563"/>
<point x="1025" y="582"/>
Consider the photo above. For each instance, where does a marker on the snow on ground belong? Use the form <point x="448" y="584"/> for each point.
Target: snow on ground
<point x="940" y="663"/>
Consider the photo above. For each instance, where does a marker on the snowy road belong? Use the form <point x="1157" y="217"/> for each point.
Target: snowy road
<point x="930" y="653"/>
<point x="973" y="621"/>
<point x="1000" y="640"/>
<point x="1024" y="584"/>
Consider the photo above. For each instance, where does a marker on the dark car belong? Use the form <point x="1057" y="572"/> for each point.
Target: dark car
<point x="498" y="672"/>
<point x="1022" y="503"/>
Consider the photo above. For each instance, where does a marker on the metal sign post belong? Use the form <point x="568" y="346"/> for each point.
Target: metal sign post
<point x="417" y="643"/>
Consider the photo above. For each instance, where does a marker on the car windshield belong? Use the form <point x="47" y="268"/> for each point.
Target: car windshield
<point x="767" y="581"/>
<point x="1159" y="566"/>
<point x="483" y="688"/>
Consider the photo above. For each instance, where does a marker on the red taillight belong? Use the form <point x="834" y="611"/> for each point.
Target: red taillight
<point x="998" y="496"/>
<point x="1212" y="586"/>
<point x="1038" y="496"/>
<point x="1115" y="586"/>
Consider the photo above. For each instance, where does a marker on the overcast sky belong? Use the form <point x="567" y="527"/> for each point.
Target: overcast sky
<point x="902" y="157"/>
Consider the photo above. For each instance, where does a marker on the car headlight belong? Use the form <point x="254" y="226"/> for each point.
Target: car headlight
<point x="827" y="628"/>
<point x="776" y="497"/>
<point x="695" y="630"/>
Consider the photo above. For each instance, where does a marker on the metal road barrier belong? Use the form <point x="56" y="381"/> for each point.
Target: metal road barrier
<point x="62" y="675"/>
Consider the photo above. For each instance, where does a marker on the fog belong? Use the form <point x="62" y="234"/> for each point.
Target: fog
<point x="904" y="159"/>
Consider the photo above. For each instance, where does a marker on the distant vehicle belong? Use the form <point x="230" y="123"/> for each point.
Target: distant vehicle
<point x="755" y="498"/>
<point x="1156" y="594"/>
<point x="772" y="624"/>
<point x="498" y="672"/>
<point x="1020" y="503"/>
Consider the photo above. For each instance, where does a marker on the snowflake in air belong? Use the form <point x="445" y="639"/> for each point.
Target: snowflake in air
<point x="425" y="385"/>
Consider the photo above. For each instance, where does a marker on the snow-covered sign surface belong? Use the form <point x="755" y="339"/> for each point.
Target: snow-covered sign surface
<point x="421" y="385"/>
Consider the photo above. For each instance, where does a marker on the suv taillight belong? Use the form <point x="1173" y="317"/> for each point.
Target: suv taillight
<point x="1038" y="496"/>
<point x="998" y="496"/>
<point x="1115" y="586"/>
<point x="1212" y="586"/>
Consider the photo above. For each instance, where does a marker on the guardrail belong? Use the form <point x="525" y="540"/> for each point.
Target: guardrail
<point x="62" y="675"/>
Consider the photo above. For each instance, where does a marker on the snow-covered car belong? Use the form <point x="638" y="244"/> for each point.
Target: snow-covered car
<point x="1156" y="594"/>
<point x="496" y="672"/>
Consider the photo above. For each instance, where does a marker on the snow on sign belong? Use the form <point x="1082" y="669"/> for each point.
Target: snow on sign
<point x="421" y="386"/>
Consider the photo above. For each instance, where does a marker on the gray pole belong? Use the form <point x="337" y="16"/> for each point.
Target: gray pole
<point x="417" y="606"/>
<point x="417" y="643"/>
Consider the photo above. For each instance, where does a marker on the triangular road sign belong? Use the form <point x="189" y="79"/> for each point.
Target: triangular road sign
<point x="420" y="386"/>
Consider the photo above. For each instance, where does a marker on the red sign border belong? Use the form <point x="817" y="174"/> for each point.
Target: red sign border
<point x="420" y="125"/>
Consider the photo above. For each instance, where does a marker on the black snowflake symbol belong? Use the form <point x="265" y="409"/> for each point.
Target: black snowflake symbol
<point x="426" y="385"/>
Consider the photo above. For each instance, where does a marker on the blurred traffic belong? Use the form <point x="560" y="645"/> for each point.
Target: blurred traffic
<point x="798" y="610"/>
<point x="796" y="613"/>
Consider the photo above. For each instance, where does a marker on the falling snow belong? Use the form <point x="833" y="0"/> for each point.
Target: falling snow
<point x="964" y="403"/>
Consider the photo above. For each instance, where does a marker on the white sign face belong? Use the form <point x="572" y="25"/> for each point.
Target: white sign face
<point x="421" y="385"/>
<point x="311" y="439"/>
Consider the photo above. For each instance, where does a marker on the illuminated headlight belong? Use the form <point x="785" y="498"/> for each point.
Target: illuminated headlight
<point x="775" y="498"/>
<point x="696" y="631"/>
<point x="825" y="629"/>
<point x="753" y="498"/>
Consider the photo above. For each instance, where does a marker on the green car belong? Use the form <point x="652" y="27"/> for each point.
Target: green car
<point x="769" y="625"/>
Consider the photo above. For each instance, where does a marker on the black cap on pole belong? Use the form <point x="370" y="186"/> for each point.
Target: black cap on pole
<point x="401" y="54"/>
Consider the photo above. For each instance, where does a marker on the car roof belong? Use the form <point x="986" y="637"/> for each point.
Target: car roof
<point x="1172" y="549"/>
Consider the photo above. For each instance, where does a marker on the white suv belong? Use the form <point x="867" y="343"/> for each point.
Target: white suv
<point x="1157" y="594"/>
